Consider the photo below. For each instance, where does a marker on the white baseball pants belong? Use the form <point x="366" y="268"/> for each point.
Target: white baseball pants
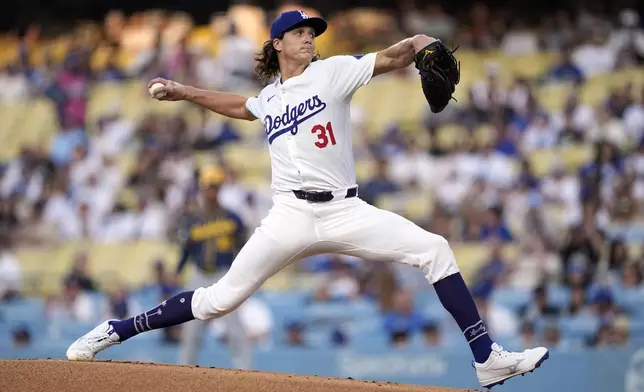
<point x="294" y="229"/>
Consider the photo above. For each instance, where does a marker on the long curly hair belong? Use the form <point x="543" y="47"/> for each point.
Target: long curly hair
<point x="268" y="67"/>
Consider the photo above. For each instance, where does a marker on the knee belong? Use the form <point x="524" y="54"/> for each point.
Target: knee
<point x="440" y="261"/>
<point x="214" y="301"/>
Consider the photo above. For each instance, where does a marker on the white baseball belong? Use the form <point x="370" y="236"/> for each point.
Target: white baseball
<point x="153" y="88"/>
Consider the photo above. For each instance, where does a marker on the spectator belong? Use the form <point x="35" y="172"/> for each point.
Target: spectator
<point x="21" y="336"/>
<point x="500" y="321"/>
<point x="617" y="255"/>
<point x="340" y="284"/>
<point x="111" y="71"/>
<point x="495" y="269"/>
<point x="632" y="276"/>
<point x="80" y="272"/>
<point x="540" y="307"/>
<point x="295" y="335"/>
<point x="634" y="120"/>
<point x="15" y="86"/>
<point x="552" y="336"/>
<point x="595" y="57"/>
<point x="9" y="218"/>
<point x="65" y="142"/>
<point x="403" y="320"/>
<point x="34" y="231"/>
<point x="628" y="39"/>
<point x="494" y="226"/>
<point x="431" y="335"/>
<point x="338" y="338"/>
<point x="565" y="70"/>
<point x="539" y="135"/>
<point x="579" y="257"/>
<point x="528" y="335"/>
<point x="578" y="302"/>
<point x="153" y="216"/>
<point x="603" y="305"/>
<point x="534" y="264"/>
<point x="73" y="304"/>
<point x="119" y="305"/>
<point x="519" y="40"/>
<point x="379" y="185"/>
<point x="621" y="331"/>
<point x="24" y="176"/>
<point x="11" y="279"/>
<point x="257" y="321"/>
<point x="497" y="168"/>
<point x="561" y="190"/>
<point x="235" y="62"/>
<point x="608" y="129"/>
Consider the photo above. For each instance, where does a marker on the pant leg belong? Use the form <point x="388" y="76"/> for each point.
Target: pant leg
<point x="285" y="235"/>
<point x="356" y="228"/>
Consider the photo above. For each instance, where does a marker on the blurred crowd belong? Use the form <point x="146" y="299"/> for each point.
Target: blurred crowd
<point x="75" y="188"/>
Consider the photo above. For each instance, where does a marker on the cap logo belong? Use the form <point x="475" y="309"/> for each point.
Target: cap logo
<point x="303" y="14"/>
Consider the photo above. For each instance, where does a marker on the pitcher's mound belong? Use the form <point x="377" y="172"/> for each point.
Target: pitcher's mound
<point x="100" y="376"/>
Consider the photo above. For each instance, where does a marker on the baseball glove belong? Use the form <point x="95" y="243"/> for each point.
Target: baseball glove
<point x="440" y="72"/>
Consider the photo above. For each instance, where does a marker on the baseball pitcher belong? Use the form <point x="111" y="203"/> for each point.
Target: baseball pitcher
<point x="304" y="109"/>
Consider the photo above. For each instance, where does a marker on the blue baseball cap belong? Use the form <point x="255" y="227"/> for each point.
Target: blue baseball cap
<point x="289" y="19"/>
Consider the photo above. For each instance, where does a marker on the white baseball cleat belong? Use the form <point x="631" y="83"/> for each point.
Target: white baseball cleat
<point x="98" y="339"/>
<point x="502" y="365"/>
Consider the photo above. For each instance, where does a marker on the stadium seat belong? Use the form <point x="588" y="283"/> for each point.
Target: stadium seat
<point x="573" y="157"/>
<point x="450" y="136"/>
<point x="511" y="298"/>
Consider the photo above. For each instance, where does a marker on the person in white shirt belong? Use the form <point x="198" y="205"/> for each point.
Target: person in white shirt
<point x="595" y="57"/>
<point x="11" y="279"/>
<point x="305" y="112"/>
<point x="539" y="135"/>
<point x="520" y="40"/>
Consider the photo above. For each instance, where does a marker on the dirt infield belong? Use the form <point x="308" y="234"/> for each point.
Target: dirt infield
<point x="99" y="376"/>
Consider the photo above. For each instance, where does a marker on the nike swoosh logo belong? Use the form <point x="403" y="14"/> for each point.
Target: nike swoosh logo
<point x="269" y="98"/>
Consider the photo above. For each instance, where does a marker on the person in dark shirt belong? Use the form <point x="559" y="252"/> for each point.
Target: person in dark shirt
<point x="579" y="257"/>
<point x="540" y="307"/>
<point x="210" y="238"/>
<point x="565" y="70"/>
<point x="495" y="227"/>
<point x="379" y="185"/>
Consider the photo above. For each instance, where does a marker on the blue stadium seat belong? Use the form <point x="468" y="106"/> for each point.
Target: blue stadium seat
<point x="511" y="298"/>
<point x="558" y="296"/>
<point x="24" y="310"/>
<point x="578" y="327"/>
<point x="630" y="300"/>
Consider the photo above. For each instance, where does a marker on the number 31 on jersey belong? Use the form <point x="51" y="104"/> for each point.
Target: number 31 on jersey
<point x="324" y="134"/>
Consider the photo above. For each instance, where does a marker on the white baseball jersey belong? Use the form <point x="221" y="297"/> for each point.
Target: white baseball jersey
<point x="307" y="122"/>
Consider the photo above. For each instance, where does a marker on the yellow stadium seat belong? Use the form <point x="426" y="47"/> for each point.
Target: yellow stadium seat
<point x="553" y="96"/>
<point x="247" y="159"/>
<point x="573" y="157"/>
<point x="364" y="170"/>
<point x="471" y="256"/>
<point x="484" y="135"/>
<point x="531" y="66"/>
<point x="594" y="91"/>
<point x="449" y="136"/>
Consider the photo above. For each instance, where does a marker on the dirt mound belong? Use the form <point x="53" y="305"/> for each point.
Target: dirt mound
<point x="99" y="376"/>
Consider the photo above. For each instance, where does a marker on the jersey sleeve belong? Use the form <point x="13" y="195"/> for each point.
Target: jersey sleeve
<point x="348" y="73"/>
<point x="254" y="105"/>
